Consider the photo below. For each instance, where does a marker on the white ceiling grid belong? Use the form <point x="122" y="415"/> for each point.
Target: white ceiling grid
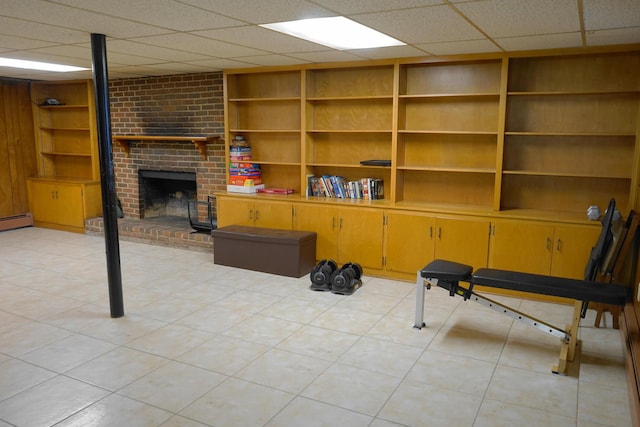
<point x="157" y="37"/>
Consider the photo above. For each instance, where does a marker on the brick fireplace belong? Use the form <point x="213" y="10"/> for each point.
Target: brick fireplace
<point x="168" y="158"/>
<point x="178" y="105"/>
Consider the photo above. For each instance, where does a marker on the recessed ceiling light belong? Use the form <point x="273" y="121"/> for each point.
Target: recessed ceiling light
<point x="35" y="65"/>
<point x="336" y="32"/>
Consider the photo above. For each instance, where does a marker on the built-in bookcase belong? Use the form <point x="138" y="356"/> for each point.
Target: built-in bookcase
<point x="66" y="190"/>
<point x="265" y="108"/>
<point x="571" y="131"/>
<point x="448" y="117"/>
<point x="521" y="136"/>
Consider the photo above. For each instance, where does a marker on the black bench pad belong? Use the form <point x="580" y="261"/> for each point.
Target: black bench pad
<point x="582" y="290"/>
<point x="447" y="270"/>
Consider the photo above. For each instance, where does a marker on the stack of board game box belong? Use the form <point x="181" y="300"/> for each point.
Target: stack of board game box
<point x="244" y="176"/>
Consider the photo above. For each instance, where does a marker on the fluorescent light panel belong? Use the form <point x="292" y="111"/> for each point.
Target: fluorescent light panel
<point x="336" y="32"/>
<point x="35" y="65"/>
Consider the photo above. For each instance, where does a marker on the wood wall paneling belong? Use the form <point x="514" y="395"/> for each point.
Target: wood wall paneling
<point x="17" y="147"/>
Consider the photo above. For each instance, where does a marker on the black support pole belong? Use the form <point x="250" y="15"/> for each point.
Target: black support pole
<point x="109" y="211"/>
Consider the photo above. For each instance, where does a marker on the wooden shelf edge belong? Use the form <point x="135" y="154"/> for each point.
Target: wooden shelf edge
<point x="200" y="142"/>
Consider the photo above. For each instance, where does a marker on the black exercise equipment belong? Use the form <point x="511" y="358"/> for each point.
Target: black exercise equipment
<point x="321" y="275"/>
<point x="346" y="280"/>
<point x="449" y="275"/>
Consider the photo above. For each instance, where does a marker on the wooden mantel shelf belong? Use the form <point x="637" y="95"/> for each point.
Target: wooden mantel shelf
<point x="199" y="141"/>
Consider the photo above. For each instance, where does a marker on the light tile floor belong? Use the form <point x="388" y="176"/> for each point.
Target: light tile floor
<point x="207" y="345"/>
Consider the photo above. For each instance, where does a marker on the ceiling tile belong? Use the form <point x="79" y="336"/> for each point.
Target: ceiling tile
<point x="547" y="41"/>
<point x="388" y="52"/>
<point x="461" y="47"/>
<point x="134" y="47"/>
<point x="613" y="37"/>
<point x="272" y="60"/>
<point x="326" y="56"/>
<point x="512" y="18"/>
<point x="82" y="53"/>
<point x="197" y="44"/>
<point x="86" y="22"/>
<point x="37" y="31"/>
<point x="347" y="7"/>
<point x="223" y="64"/>
<point x="427" y="24"/>
<point x="12" y="42"/>
<point x="162" y="13"/>
<point x="262" y="38"/>
<point x="600" y="14"/>
<point x="261" y="11"/>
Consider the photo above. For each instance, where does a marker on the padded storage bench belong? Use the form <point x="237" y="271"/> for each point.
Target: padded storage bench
<point x="283" y="252"/>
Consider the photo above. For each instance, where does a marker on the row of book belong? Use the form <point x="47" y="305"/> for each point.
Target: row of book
<point x="338" y="187"/>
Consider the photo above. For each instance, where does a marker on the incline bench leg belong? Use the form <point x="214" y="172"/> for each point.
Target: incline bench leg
<point x="568" y="349"/>
<point x="419" y="323"/>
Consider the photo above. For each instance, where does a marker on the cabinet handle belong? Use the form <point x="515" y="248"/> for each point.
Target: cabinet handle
<point x="549" y="243"/>
<point x="431" y="231"/>
<point x="340" y="224"/>
<point x="257" y="214"/>
<point x="559" y="245"/>
<point x="333" y="223"/>
<point x="440" y="233"/>
<point x="250" y="213"/>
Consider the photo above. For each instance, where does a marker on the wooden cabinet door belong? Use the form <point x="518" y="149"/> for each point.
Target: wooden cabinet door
<point x="521" y="246"/>
<point x="70" y="205"/>
<point x="234" y="211"/>
<point x="269" y="214"/>
<point x="360" y="234"/>
<point x="44" y="207"/>
<point x="409" y="241"/>
<point x="572" y="246"/>
<point x="462" y="240"/>
<point x="324" y="221"/>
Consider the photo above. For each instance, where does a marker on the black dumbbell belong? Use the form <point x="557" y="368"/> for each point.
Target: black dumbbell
<point x="346" y="280"/>
<point x="321" y="275"/>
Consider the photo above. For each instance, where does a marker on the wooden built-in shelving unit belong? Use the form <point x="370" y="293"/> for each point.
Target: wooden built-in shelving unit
<point x="482" y="148"/>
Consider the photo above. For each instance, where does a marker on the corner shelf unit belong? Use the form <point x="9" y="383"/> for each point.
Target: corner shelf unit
<point x="66" y="190"/>
<point x="532" y="136"/>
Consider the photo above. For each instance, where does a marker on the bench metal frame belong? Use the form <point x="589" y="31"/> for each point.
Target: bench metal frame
<point x="568" y="336"/>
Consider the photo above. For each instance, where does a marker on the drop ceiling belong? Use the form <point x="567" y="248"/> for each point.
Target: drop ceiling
<point x="160" y="37"/>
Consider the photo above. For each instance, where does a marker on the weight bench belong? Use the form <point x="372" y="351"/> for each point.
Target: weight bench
<point x="452" y="276"/>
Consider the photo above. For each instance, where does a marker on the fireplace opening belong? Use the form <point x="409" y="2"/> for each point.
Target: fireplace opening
<point x="166" y="193"/>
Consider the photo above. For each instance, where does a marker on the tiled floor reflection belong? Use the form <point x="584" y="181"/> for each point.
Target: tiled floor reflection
<point x="207" y="345"/>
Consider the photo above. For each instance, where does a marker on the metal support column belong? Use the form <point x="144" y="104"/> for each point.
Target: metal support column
<point x="109" y="209"/>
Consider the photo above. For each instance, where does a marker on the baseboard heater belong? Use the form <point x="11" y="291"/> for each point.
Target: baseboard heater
<point x="16" y="221"/>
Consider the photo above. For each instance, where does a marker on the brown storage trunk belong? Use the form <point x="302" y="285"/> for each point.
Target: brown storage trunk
<point x="283" y="252"/>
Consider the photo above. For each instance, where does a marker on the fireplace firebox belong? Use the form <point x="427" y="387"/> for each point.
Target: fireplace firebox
<point x="166" y="193"/>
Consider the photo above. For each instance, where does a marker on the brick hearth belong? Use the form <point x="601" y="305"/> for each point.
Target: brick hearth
<point x="166" y="231"/>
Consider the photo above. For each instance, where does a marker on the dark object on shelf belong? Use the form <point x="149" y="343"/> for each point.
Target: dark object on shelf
<point x="209" y="223"/>
<point x="347" y="280"/>
<point x="51" y="101"/>
<point x="321" y="275"/>
<point x="375" y="162"/>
